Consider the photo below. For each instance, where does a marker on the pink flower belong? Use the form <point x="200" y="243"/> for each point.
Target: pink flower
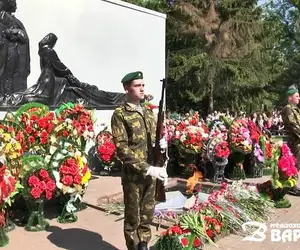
<point x="285" y="150"/>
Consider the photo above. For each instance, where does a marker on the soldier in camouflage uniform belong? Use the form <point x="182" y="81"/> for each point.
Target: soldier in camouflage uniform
<point x="133" y="129"/>
<point x="291" y="119"/>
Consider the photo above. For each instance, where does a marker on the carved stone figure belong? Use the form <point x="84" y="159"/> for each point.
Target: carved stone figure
<point x="14" y="50"/>
<point x="57" y="84"/>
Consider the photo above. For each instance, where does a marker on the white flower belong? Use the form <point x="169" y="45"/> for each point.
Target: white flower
<point x="68" y="120"/>
<point x="77" y="154"/>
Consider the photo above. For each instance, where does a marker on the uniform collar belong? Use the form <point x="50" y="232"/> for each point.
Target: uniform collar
<point x="293" y="105"/>
<point x="130" y="106"/>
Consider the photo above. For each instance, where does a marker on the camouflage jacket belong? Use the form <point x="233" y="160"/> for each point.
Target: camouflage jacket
<point x="291" y="119"/>
<point x="134" y="135"/>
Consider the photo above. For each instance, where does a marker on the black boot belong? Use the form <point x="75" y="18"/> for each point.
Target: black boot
<point x="295" y="191"/>
<point x="142" y="246"/>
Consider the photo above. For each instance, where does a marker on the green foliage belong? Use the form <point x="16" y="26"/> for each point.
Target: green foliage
<point x="230" y="54"/>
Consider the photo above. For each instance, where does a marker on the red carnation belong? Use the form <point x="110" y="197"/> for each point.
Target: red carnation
<point x="51" y="185"/>
<point x="49" y="195"/>
<point x="184" y="241"/>
<point x="10" y="129"/>
<point x="65" y="133"/>
<point x="77" y="179"/>
<point x="44" y="174"/>
<point x="31" y="139"/>
<point x="44" y="140"/>
<point x="197" y="242"/>
<point x="73" y="170"/>
<point x="36" y="192"/>
<point x="34" y="117"/>
<point x="64" y="169"/>
<point x="42" y="123"/>
<point x="71" y="161"/>
<point x="175" y="229"/>
<point x="28" y="130"/>
<point x="210" y="233"/>
<point x="42" y="185"/>
<point x="67" y="180"/>
<point x="33" y="181"/>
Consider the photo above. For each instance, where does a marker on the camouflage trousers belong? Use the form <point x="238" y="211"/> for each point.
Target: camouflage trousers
<point x="139" y="201"/>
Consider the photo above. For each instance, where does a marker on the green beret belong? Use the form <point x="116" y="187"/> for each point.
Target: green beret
<point x="132" y="76"/>
<point x="292" y="90"/>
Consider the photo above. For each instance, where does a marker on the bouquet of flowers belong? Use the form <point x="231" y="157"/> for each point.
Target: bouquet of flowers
<point x="8" y="189"/>
<point x="80" y="117"/>
<point x="284" y="174"/>
<point x="191" y="134"/>
<point x="8" y="186"/>
<point x="218" y="153"/>
<point x="72" y="178"/>
<point x="285" y="170"/>
<point x="239" y="137"/>
<point x="222" y="150"/>
<point x="73" y="175"/>
<point x="169" y="129"/>
<point x="39" y="186"/>
<point x="177" y="238"/>
<point x="240" y="144"/>
<point x="218" y="129"/>
<point x="37" y="122"/>
<point x="65" y="130"/>
<point x="106" y="149"/>
<point x="10" y="147"/>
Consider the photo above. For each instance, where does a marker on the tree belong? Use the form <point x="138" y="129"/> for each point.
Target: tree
<point x="222" y="54"/>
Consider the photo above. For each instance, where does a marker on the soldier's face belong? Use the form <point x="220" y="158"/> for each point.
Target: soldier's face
<point x="294" y="99"/>
<point x="135" y="90"/>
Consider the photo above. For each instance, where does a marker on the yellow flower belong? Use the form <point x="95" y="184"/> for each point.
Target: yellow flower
<point x="80" y="162"/>
<point x="6" y="137"/>
<point x="18" y="146"/>
<point x="86" y="177"/>
<point x="8" y="147"/>
<point x="13" y="156"/>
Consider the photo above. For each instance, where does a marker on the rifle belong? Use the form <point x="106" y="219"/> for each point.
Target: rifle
<point x="160" y="157"/>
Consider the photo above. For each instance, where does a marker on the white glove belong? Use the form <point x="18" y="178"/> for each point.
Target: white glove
<point x="163" y="143"/>
<point x="157" y="172"/>
<point x="166" y="182"/>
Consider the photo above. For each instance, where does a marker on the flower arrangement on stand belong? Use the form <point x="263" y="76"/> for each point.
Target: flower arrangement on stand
<point x="80" y="117"/>
<point x="39" y="185"/>
<point x="37" y="122"/>
<point x="283" y="177"/>
<point x="65" y="130"/>
<point x="106" y="150"/>
<point x="218" y="152"/>
<point x="240" y="144"/>
<point x="9" y="187"/>
<point x="190" y="137"/>
<point x="11" y="147"/>
<point x="72" y="178"/>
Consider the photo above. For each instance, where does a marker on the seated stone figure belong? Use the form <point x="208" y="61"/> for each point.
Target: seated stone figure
<point x="57" y="84"/>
